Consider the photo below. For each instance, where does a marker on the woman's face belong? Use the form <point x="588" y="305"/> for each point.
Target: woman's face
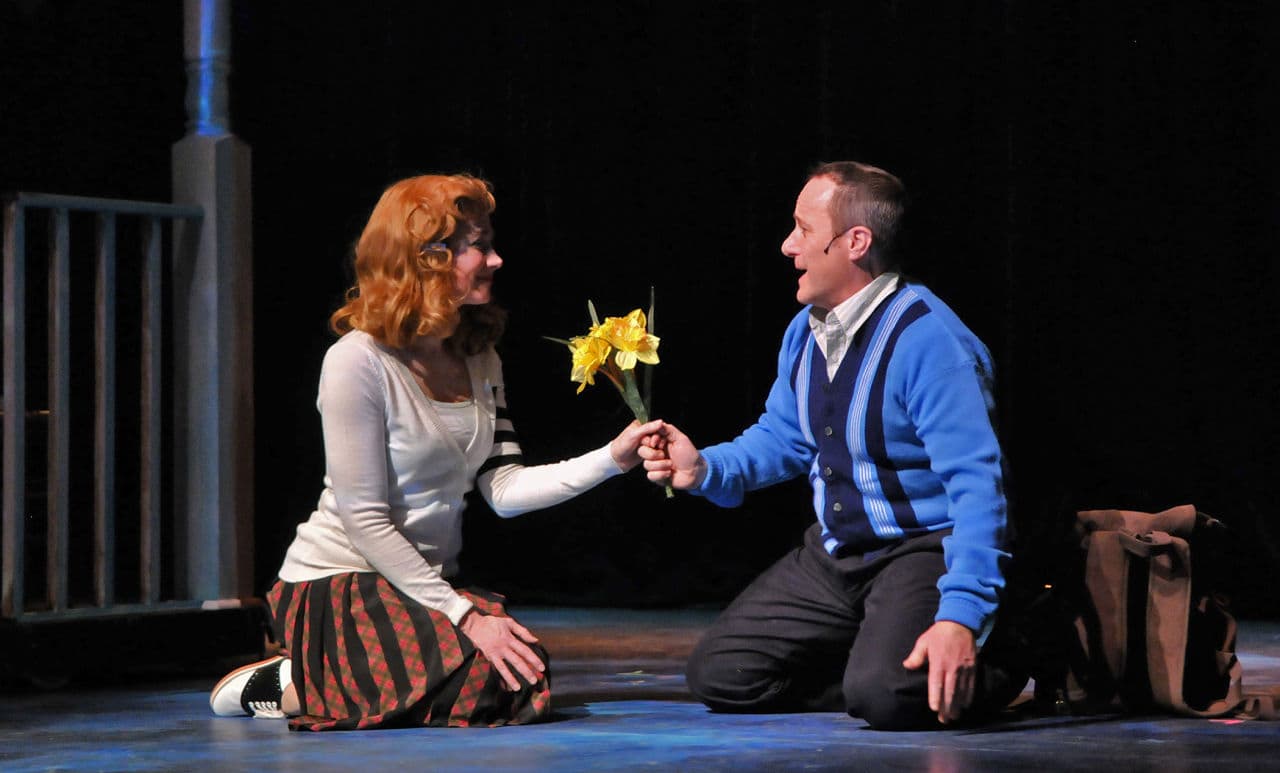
<point x="474" y="261"/>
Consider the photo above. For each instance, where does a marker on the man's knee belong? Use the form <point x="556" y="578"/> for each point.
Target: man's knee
<point x="720" y="681"/>
<point x="883" y="705"/>
<point x="698" y="677"/>
<point x="713" y="680"/>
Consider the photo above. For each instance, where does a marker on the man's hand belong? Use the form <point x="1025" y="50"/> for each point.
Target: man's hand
<point x="503" y="642"/>
<point x="951" y="652"/>
<point x="672" y="459"/>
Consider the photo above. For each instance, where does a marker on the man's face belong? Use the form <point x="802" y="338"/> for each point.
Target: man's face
<point x="828" y="277"/>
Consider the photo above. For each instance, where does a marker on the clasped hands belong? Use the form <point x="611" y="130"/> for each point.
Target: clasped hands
<point x="670" y="457"/>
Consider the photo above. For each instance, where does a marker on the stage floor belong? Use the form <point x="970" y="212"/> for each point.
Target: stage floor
<point x="620" y="704"/>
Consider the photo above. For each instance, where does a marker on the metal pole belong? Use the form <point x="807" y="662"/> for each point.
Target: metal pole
<point x="104" y="432"/>
<point x="13" y="538"/>
<point x="59" y="469"/>
<point x="213" y="330"/>
<point x="207" y="49"/>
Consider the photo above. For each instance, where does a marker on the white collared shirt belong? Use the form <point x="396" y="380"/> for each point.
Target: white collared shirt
<point x="834" y="331"/>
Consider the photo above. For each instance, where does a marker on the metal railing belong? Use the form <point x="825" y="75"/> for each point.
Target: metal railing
<point x="153" y="250"/>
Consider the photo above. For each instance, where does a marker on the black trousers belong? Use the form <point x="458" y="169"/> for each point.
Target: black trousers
<point x="817" y="633"/>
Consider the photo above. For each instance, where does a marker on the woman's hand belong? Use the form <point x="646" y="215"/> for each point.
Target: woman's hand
<point x="625" y="447"/>
<point x="506" y="644"/>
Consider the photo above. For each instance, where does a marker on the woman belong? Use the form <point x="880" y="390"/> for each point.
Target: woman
<point x="414" y="415"/>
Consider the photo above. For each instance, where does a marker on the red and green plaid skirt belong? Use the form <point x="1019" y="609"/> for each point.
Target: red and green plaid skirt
<point x="365" y="655"/>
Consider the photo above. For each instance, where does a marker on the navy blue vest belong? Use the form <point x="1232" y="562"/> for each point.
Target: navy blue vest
<point x="858" y="497"/>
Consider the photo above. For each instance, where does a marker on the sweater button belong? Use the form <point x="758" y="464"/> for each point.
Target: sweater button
<point x="826" y="472"/>
<point x="827" y="431"/>
<point x="837" y="507"/>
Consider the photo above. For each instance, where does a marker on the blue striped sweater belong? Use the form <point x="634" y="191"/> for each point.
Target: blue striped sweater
<point x="900" y="443"/>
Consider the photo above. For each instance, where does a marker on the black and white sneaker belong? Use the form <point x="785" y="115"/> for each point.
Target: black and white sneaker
<point x="253" y="690"/>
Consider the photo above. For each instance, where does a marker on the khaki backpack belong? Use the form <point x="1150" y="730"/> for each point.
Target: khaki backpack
<point x="1148" y="629"/>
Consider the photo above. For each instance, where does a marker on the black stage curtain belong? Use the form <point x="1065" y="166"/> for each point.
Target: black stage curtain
<point x="1095" y="190"/>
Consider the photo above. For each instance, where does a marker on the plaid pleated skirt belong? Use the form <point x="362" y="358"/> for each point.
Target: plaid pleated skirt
<point x="364" y="655"/>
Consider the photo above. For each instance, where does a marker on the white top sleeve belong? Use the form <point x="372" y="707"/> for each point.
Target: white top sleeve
<point x="511" y="488"/>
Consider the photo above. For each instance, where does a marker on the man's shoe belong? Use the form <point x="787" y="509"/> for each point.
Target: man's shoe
<point x="253" y="690"/>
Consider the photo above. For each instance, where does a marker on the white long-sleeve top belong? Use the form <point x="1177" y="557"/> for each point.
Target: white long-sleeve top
<point x="395" y="475"/>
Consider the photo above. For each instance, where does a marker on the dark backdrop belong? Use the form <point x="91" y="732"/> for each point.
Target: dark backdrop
<point x="1095" y="189"/>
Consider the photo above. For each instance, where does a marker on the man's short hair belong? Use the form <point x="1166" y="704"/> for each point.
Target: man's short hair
<point x="868" y="196"/>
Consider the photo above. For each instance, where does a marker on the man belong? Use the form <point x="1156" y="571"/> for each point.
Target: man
<point x="884" y="398"/>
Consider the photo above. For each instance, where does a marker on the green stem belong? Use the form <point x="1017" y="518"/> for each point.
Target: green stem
<point x="631" y="395"/>
<point x="647" y="392"/>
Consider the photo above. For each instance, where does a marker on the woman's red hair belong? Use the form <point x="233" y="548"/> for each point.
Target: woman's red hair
<point x="404" y="266"/>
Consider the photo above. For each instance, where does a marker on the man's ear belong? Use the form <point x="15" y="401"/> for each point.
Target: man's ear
<point x="860" y="241"/>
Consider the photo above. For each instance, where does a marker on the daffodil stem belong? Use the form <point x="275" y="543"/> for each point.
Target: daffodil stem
<point x="647" y="392"/>
<point x="631" y="395"/>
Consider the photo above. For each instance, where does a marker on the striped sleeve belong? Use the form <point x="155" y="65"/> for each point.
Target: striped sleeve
<point x="512" y="489"/>
<point x="506" y="446"/>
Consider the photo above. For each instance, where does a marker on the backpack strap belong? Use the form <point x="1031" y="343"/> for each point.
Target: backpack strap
<point x="1106" y="577"/>
<point x="1180" y="520"/>
<point x="1168" y="611"/>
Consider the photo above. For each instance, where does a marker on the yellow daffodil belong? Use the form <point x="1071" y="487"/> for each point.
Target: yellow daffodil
<point x="613" y="348"/>
<point x="630" y="338"/>
<point x="589" y="353"/>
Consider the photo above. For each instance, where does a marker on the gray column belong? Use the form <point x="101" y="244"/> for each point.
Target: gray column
<point x="213" y="330"/>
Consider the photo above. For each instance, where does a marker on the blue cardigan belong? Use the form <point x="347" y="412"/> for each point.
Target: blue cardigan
<point x="901" y="443"/>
